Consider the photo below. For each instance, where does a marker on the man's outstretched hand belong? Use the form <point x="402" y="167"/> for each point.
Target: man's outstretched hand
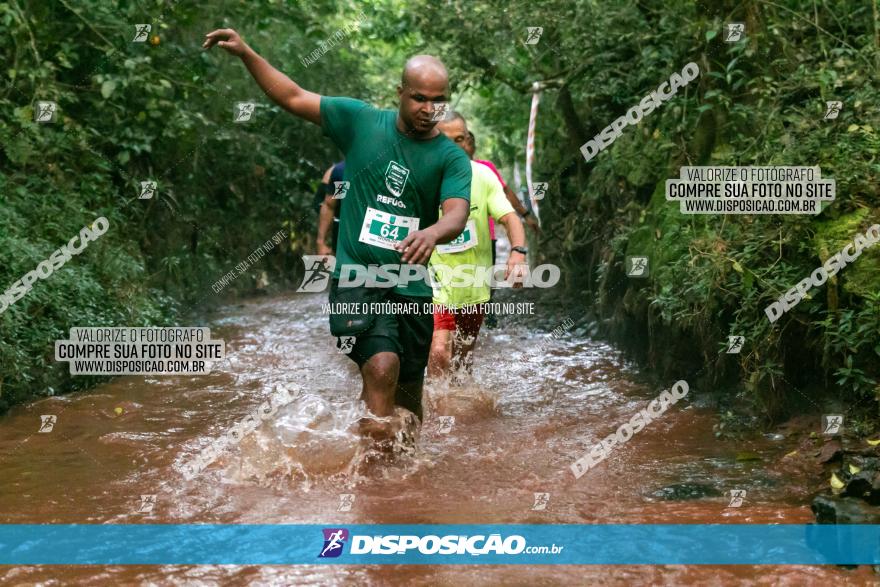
<point x="228" y="39"/>
<point x="281" y="89"/>
<point x="417" y="247"/>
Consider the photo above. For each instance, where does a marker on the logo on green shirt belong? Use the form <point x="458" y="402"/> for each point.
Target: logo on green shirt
<point x="395" y="178"/>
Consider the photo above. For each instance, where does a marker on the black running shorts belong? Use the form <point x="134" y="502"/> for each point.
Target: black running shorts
<point x="402" y="325"/>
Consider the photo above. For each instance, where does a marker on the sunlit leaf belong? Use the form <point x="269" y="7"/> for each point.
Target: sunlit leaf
<point x="107" y="88"/>
<point x="836" y="484"/>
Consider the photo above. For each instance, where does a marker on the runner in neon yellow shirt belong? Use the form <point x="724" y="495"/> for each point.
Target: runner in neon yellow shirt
<point x="456" y="325"/>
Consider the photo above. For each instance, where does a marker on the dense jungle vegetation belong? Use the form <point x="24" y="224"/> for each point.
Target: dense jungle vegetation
<point x="163" y="110"/>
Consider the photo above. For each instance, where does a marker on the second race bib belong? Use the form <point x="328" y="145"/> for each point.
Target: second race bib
<point x="383" y="229"/>
<point x="466" y="240"/>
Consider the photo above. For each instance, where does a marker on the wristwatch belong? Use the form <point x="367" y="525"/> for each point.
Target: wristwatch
<point x="522" y="250"/>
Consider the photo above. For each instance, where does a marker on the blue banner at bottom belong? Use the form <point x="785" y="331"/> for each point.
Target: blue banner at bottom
<point x="681" y="544"/>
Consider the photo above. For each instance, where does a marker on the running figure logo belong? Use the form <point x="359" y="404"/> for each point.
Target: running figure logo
<point x="735" y="344"/>
<point x="148" y="190"/>
<point x="533" y="34"/>
<point x="440" y="111"/>
<point x="141" y="32"/>
<point x="319" y="268"/>
<point x="47" y="423"/>
<point x="244" y="111"/>
<point x="541" y="501"/>
<point x="346" y="500"/>
<point x="446" y="424"/>
<point x="334" y="540"/>
<point x="395" y="178"/>
<point x="45" y="111"/>
<point x="832" y="423"/>
<point x="345" y="344"/>
<point x="637" y="266"/>
<point x="733" y="31"/>
<point x="147" y="503"/>
<point x="832" y="109"/>
<point x="737" y="496"/>
<point x="340" y="188"/>
<point x="539" y="190"/>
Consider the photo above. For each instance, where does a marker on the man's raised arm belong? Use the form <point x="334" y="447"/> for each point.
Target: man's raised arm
<point x="280" y="88"/>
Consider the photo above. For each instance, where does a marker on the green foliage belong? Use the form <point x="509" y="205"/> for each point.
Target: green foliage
<point x="130" y="112"/>
<point x="135" y="111"/>
<point x="757" y="102"/>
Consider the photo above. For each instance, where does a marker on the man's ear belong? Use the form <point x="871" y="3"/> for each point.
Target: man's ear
<point x="399" y="91"/>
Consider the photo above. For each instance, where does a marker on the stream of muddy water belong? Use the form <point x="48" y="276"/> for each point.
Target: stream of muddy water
<point x="532" y="407"/>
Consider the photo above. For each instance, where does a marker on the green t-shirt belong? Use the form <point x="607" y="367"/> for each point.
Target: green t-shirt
<point x="473" y="246"/>
<point x="396" y="183"/>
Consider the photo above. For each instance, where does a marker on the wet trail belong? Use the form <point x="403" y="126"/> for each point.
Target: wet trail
<point x="519" y="425"/>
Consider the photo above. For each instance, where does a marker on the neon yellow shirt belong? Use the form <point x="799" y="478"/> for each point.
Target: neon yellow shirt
<point x="473" y="246"/>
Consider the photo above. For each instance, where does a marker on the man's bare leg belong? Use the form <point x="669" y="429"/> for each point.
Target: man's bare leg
<point x="441" y="353"/>
<point x="379" y="374"/>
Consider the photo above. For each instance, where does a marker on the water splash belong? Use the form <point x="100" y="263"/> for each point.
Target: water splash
<point x="461" y="397"/>
<point x="313" y="440"/>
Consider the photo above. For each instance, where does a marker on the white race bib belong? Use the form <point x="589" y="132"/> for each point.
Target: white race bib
<point x="384" y="229"/>
<point x="466" y="240"/>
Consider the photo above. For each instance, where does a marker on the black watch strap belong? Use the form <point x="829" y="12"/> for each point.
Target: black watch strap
<point x="526" y="213"/>
<point x="522" y="250"/>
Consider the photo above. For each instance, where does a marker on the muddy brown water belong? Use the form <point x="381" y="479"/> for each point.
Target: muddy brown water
<point x="519" y="424"/>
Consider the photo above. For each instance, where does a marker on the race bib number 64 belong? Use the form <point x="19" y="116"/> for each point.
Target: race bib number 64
<point x="383" y="229"/>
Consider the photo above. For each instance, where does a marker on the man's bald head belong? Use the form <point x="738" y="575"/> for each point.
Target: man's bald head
<point x="455" y="129"/>
<point x="453" y="116"/>
<point x="424" y="69"/>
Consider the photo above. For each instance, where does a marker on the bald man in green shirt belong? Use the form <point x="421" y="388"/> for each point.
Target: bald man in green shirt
<point x="402" y="172"/>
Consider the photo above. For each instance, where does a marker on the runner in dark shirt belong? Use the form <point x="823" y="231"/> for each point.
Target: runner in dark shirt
<point x="332" y="192"/>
